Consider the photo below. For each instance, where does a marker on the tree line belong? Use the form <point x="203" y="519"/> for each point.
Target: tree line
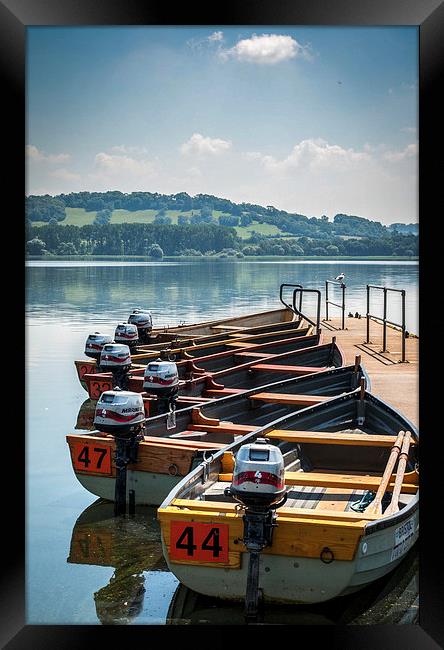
<point x="156" y="240"/>
<point x="52" y="209"/>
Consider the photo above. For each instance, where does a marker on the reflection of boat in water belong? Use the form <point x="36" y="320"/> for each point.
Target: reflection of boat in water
<point x="85" y="418"/>
<point x="392" y="599"/>
<point x="130" y="545"/>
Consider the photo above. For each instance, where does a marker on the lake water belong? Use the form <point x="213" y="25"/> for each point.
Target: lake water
<point x="82" y="565"/>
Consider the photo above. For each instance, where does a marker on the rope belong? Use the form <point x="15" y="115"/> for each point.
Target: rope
<point x="366" y="499"/>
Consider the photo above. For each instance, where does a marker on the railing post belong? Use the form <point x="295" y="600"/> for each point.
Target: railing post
<point x="384" y="327"/>
<point x="368" y="314"/>
<point x="403" y="325"/>
<point x="326" y="300"/>
<point x="343" y="306"/>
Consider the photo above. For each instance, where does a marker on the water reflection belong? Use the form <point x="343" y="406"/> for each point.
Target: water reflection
<point x="191" y="291"/>
<point x="64" y="303"/>
<point x="129" y="544"/>
<point x="390" y="600"/>
<point x="132" y="546"/>
<point x="85" y="418"/>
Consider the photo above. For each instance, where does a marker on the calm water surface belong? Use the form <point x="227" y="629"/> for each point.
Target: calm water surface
<point x="82" y="565"/>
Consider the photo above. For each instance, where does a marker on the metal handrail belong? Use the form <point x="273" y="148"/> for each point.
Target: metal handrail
<point x="330" y="302"/>
<point x="281" y="289"/>
<point x="298" y="311"/>
<point x="385" y="319"/>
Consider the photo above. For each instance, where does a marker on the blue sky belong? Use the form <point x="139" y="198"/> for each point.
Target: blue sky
<point x="312" y="120"/>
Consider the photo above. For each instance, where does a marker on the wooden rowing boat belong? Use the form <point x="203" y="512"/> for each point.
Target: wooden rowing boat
<point x="170" y="450"/>
<point x="207" y="332"/>
<point x="199" y="361"/>
<point x="200" y="387"/>
<point x="350" y="517"/>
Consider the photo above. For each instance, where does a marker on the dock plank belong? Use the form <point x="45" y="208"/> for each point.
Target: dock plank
<point x="395" y="382"/>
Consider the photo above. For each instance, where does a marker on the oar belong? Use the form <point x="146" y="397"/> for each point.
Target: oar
<point x="375" y="508"/>
<point x="403" y="456"/>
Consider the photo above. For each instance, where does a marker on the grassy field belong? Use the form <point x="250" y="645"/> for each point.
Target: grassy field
<point x="262" y="228"/>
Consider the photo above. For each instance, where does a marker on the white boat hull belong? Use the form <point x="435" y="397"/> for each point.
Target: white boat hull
<point x="300" y="580"/>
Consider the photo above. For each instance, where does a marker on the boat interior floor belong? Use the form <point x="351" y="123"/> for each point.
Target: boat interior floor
<point x="304" y="496"/>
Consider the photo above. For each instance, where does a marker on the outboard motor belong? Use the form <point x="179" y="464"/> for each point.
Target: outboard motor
<point x="161" y="378"/>
<point x="258" y="484"/>
<point x="121" y="413"/>
<point x="94" y="344"/>
<point x="143" y="320"/>
<point x="126" y="333"/>
<point x="116" y="358"/>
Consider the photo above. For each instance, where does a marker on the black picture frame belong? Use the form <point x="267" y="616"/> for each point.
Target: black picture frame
<point x="15" y="17"/>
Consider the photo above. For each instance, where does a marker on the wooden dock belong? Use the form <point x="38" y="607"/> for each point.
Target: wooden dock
<point x="393" y="381"/>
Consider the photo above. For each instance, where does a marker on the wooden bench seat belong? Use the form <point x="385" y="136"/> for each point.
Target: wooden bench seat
<point x="284" y="398"/>
<point x="329" y="438"/>
<point x="352" y="481"/>
<point x="221" y="392"/>
<point x="294" y="370"/>
<point x="284" y="511"/>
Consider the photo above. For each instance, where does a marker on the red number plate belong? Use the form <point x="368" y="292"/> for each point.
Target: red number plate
<point x="196" y="541"/>
<point x="91" y="457"/>
<point x="86" y="368"/>
<point x="96" y="388"/>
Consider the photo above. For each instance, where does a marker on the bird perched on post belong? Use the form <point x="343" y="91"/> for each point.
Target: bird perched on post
<point x="340" y="277"/>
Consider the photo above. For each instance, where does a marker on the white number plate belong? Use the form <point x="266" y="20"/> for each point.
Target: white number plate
<point x="403" y="538"/>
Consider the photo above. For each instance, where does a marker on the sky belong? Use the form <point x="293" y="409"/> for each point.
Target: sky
<point x="312" y="120"/>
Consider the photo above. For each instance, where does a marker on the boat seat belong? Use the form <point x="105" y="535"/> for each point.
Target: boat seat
<point x="294" y="370"/>
<point x="354" y="481"/>
<point x="330" y="438"/>
<point x="222" y="392"/>
<point x="284" y="398"/>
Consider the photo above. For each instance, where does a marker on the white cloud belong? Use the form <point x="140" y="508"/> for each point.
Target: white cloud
<point x="201" y="145"/>
<point x="65" y="175"/>
<point x="200" y="44"/>
<point x="34" y="154"/>
<point x="121" y="148"/>
<point x="114" y="165"/>
<point x="216" y="36"/>
<point x="311" y="154"/>
<point x="266" y="49"/>
<point x="410" y="151"/>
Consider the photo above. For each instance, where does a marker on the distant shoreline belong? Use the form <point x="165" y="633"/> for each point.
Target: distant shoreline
<point x="246" y="258"/>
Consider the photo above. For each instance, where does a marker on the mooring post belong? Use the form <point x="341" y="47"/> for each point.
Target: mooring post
<point x="343" y="305"/>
